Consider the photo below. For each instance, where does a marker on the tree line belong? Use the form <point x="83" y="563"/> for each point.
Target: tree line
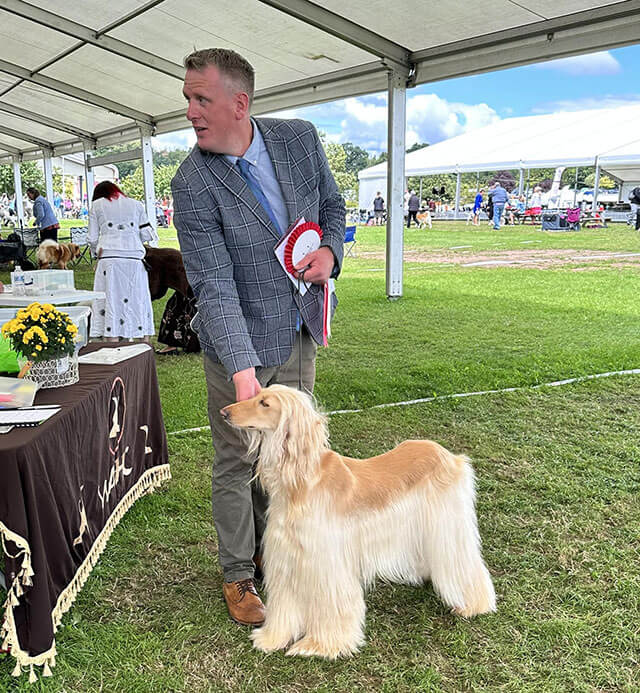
<point x="346" y="160"/>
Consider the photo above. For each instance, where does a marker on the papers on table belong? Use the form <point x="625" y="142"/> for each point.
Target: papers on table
<point x="28" y="416"/>
<point x="110" y="356"/>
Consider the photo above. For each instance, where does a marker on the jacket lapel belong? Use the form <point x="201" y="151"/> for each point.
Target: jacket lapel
<point x="228" y="176"/>
<point x="279" y="153"/>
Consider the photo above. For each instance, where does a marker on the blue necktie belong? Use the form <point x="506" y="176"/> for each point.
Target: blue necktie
<point x="254" y="186"/>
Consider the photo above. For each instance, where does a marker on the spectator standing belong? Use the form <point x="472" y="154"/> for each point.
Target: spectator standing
<point x="118" y="229"/>
<point x="499" y="197"/>
<point x="378" y="208"/>
<point x="634" y="201"/>
<point x="45" y="218"/>
<point x="413" y="207"/>
<point x="477" y="206"/>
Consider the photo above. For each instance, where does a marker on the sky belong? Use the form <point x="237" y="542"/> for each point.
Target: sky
<point x="445" y="109"/>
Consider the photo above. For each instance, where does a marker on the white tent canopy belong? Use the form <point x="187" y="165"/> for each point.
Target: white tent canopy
<point x="76" y="76"/>
<point x="72" y="73"/>
<point x="608" y="137"/>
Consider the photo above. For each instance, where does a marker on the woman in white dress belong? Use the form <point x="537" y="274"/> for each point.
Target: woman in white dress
<point x="118" y="229"/>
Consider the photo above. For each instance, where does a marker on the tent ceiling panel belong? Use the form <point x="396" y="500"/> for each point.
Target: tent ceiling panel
<point x="42" y="132"/>
<point x="95" y="14"/>
<point x="118" y="79"/>
<point x="29" y="44"/>
<point x="64" y="108"/>
<point x="280" y="48"/>
<point x="421" y="25"/>
<point x="14" y="141"/>
<point x="7" y="82"/>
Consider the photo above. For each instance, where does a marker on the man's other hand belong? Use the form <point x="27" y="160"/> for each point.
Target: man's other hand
<point x="246" y="384"/>
<point x="320" y="265"/>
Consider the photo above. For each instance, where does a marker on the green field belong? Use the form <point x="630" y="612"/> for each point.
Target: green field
<point x="558" y="474"/>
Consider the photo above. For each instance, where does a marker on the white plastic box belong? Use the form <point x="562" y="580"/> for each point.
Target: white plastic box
<point x="47" y="281"/>
<point x="79" y="315"/>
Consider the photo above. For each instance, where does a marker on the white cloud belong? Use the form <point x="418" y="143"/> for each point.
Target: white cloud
<point x="588" y="103"/>
<point x="363" y="120"/>
<point x="182" y="139"/>
<point x="600" y="63"/>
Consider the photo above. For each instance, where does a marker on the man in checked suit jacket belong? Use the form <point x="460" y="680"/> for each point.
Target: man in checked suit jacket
<point x="251" y="324"/>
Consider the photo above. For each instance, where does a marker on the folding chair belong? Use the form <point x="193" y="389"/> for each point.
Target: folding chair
<point x="30" y="240"/>
<point x="79" y="237"/>
<point x="350" y="240"/>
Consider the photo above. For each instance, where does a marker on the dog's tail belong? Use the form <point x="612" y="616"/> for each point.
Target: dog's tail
<point x="453" y="545"/>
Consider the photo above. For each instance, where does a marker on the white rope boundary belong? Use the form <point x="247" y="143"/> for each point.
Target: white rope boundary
<point x="457" y="395"/>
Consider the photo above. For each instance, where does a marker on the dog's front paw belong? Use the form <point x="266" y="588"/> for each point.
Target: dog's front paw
<point x="310" y="647"/>
<point x="267" y="640"/>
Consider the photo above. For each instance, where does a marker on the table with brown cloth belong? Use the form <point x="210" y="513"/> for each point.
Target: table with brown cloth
<point x="65" y="485"/>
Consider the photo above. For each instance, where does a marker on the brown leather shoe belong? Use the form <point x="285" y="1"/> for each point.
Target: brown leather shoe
<point x="244" y="603"/>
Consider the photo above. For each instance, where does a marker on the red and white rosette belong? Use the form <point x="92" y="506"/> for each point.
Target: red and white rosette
<point x="304" y="239"/>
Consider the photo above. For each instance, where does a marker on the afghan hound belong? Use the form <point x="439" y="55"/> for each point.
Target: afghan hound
<point x="335" y="523"/>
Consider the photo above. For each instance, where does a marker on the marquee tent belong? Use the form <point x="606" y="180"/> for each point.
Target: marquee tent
<point x="74" y="76"/>
<point x="606" y="137"/>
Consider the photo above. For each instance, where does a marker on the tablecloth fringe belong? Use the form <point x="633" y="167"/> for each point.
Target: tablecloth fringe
<point x="150" y="480"/>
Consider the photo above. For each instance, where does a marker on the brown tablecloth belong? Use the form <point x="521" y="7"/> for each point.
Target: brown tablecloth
<point x="64" y="486"/>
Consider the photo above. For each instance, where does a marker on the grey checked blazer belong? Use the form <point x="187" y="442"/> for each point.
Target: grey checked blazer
<point x="247" y="306"/>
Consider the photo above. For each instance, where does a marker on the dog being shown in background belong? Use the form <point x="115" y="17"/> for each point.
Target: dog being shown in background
<point x="52" y="253"/>
<point x="335" y="524"/>
<point x="424" y="219"/>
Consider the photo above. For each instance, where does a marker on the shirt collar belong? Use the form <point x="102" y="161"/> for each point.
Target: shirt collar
<point x="254" y="150"/>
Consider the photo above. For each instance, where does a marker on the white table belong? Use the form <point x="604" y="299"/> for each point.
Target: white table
<point x="59" y="298"/>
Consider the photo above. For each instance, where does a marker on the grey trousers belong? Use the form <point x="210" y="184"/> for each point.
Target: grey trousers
<point x="239" y="506"/>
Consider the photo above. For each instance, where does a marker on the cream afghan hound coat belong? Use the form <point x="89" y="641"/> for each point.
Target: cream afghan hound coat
<point x="335" y="523"/>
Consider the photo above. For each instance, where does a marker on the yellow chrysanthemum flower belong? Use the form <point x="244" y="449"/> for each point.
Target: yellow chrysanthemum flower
<point x="38" y="347"/>
<point x="48" y="308"/>
<point x="62" y="340"/>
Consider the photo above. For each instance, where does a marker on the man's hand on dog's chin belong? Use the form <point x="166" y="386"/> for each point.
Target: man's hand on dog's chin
<point x="246" y="384"/>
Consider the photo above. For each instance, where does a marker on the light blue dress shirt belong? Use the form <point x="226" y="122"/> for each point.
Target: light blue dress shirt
<point x="258" y="156"/>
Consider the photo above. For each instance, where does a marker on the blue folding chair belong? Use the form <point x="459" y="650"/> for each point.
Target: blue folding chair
<point x="350" y="240"/>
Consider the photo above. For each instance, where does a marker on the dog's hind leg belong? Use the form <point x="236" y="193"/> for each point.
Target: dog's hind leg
<point x="456" y="567"/>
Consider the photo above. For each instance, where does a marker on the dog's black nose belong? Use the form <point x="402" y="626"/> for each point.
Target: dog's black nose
<point x="224" y="413"/>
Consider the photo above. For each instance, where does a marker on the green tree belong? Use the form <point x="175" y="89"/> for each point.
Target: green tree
<point x="605" y="182"/>
<point x="125" y="168"/>
<point x="416" y="146"/>
<point x="133" y="184"/>
<point x="346" y="181"/>
<point x="57" y="184"/>
<point x="32" y="176"/>
<point x="356" y="158"/>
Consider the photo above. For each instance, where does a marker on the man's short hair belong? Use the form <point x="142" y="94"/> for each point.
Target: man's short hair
<point x="34" y="191"/>
<point x="229" y="63"/>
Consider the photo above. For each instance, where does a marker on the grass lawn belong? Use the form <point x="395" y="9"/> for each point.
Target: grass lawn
<point x="558" y="481"/>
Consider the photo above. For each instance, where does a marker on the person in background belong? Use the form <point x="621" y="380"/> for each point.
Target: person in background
<point x="413" y="207"/>
<point x="234" y="196"/>
<point x="118" y="229"/>
<point x="378" y="208"/>
<point x="499" y="197"/>
<point x="45" y="218"/>
<point x="477" y="206"/>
